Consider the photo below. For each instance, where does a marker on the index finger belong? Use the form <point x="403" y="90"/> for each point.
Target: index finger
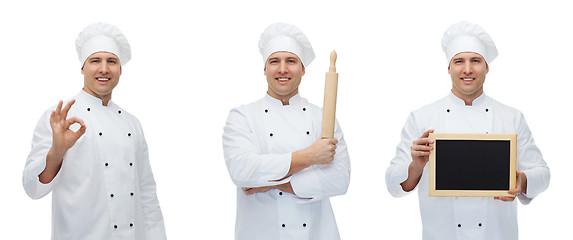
<point x="427" y="133"/>
<point x="67" y="108"/>
<point x="56" y="113"/>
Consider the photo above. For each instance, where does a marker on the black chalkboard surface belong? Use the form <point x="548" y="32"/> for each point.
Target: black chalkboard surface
<point x="476" y="165"/>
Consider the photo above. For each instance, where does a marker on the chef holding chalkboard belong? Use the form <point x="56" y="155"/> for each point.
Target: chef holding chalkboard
<point x="469" y="51"/>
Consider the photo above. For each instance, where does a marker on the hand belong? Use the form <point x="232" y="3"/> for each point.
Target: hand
<point x="249" y="191"/>
<point x="285" y="187"/>
<point x="420" y="149"/>
<point x="322" y="151"/>
<point x="521" y="187"/>
<point x="64" y="138"/>
<point x="420" y="152"/>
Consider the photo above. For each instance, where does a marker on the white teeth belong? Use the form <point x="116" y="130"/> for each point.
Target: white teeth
<point x="468" y="79"/>
<point x="282" y="79"/>
<point x="102" y="79"/>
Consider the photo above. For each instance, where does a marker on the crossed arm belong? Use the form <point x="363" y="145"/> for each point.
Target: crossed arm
<point x="320" y="152"/>
<point x="312" y="172"/>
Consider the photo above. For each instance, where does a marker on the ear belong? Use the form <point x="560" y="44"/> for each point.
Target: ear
<point x="303" y="70"/>
<point x="486" y="68"/>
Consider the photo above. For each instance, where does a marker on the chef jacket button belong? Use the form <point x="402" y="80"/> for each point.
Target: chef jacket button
<point x="100" y="133"/>
<point x="130" y="164"/>
<point x="131" y="194"/>
<point x="304" y="225"/>
<point x="303" y="109"/>
<point x="271" y="134"/>
<point x="459" y="225"/>
<point x="448" y="110"/>
<point x="281" y="193"/>
<point x="131" y="224"/>
<point x="129" y="134"/>
<point x="479" y="224"/>
<point x="284" y="225"/>
<point x="88" y="109"/>
<point x="486" y="110"/>
<point x="111" y="195"/>
<point x="114" y="226"/>
<point x="106" y="164"/>
<point x="307" y="132"/>
<point x="266" y="110"/>
<point x="119" y="111"/>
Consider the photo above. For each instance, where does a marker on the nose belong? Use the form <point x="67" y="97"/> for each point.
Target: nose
<point x="467" y="68"/>
<point x="283" y="67"/>
<point x="104" y="67"/>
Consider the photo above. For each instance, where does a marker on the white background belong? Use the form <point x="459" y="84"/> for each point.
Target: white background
<point x="193" y="61"/>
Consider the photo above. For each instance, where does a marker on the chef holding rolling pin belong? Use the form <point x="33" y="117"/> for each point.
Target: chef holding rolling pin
<point x="285" y="157"/>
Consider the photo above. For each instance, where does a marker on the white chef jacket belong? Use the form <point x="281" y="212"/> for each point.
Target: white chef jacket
<point x="258" y="142"/>
<point x="105" y="188"/>
<point x="465" y="218"/>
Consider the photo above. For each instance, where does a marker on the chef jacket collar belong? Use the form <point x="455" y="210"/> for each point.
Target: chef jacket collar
<point x="93" y="100"/>
<point x="476" y="102"/>
<point x="277" y="103"/>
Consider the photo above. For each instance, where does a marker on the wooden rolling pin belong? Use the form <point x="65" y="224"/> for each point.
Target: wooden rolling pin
<point x="329" y="104"/>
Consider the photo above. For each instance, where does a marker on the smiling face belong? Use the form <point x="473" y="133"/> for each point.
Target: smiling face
<point x="284" y="73"/>
<point x="468" y="70"/>
<point x="101" y="72"/>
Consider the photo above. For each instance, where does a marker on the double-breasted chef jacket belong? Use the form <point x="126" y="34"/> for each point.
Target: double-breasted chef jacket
<point x="466" y="218"/>
<point x="258" y="142"/>
<point x="105" y="188"/>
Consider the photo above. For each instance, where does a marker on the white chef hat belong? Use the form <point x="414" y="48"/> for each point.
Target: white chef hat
<point x="102" y="37"/>
<point x="285" y="37"/>
<point x="468" y="37"/>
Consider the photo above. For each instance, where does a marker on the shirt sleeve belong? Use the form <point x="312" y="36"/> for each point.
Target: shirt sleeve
<point x="36" y="161"/>
<point x="318" y="182"/>
<point x="530" y="161"/>
<point x="153" y="218"/>
<point x="397" y="172"/>
<point x="246" y="165"/>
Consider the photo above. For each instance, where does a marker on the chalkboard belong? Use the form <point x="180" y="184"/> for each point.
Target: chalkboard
<point x="472" y="165"/>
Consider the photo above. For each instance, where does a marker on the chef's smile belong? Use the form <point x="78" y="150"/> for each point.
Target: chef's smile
<point x="468" y="80"/>
<point x="282" y="79"/>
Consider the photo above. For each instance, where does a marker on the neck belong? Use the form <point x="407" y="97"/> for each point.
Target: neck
<point x="468" y="99"/>
<point x="104" y="98"/>
<point x="285" y="99"/>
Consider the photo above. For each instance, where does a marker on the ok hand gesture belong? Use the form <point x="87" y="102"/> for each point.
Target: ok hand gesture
<point x="62" y="139"/>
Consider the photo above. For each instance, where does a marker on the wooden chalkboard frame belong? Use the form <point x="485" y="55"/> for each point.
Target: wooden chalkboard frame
<point x="512" y="138"/>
